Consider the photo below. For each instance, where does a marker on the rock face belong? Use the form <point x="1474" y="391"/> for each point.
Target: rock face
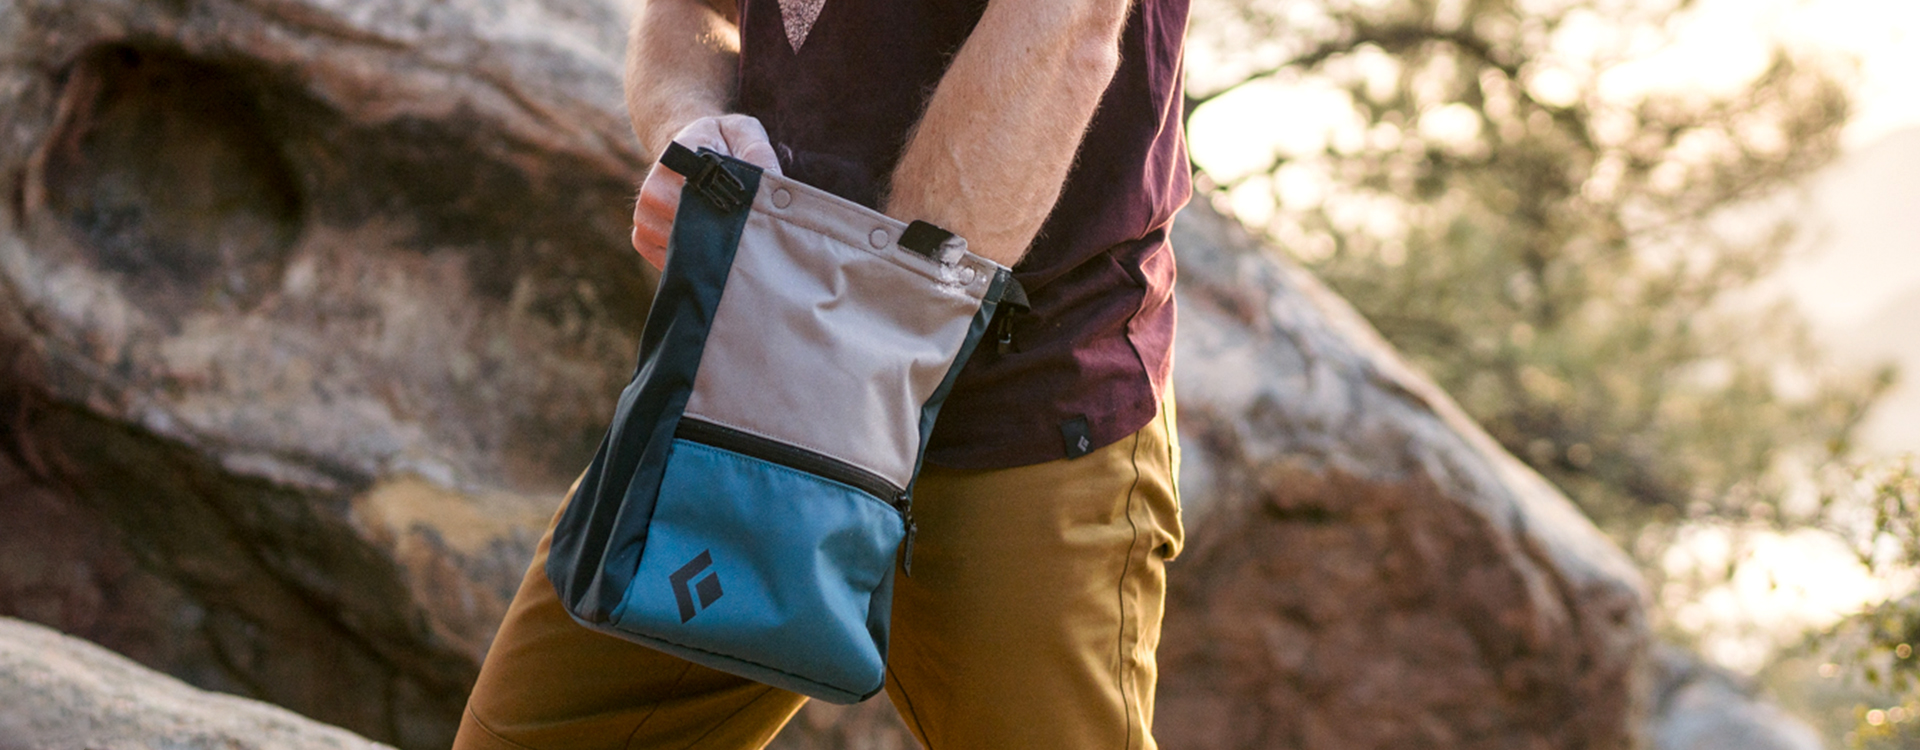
<point x="308" y="313"/>
<point x="310" y="309"/>
<point x="1368" y="569"/>
<point x="1701" y="707"/>
<point x="66" y="694"/>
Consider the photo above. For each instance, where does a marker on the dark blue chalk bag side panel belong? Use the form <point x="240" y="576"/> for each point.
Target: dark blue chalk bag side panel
<point x="597" y="542"/>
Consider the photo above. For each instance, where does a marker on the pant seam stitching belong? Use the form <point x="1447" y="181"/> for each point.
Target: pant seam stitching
<point x="1120" y="646"/>
<point x="671" y="691"/>
<point x="911" y="713"/>
<point x="482" y="724"/>
<point x="736" y="712"/>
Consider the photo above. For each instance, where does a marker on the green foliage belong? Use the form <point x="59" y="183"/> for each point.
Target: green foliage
<point x="1571" y="262"/>
<point x="1875" y="508"/>
<point x="1837" y="702"/>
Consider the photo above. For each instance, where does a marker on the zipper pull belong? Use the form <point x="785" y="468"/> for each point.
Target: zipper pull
<point x="1013" y="299"/>
<point x="907" y="563"/>
<point x="904" y="503"/>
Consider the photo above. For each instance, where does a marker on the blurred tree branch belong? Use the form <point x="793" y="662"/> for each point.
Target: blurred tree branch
<point x="1572" y="262"/>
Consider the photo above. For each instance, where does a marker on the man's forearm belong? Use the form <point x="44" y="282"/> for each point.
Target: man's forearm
<point x="681" y="56"/>
<point x="988" y="158"/>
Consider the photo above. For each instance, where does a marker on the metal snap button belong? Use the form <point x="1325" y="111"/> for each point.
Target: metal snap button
<point x="879" y="238"/>
<point x="967" y="275"/>
<point x="782" y="198"/>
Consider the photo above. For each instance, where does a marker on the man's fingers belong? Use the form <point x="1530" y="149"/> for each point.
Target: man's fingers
<point x="652" y="227"/>
<point x="759" y="154"/>
<point x="653" y="212"/>
<point x="652" y="252"/>
<point x="747" y="141"/>
<point x="650" y="236"/>
<point x="656" y="206"/>
<point x="739" y="136"/>
<point x="661" y="191"/>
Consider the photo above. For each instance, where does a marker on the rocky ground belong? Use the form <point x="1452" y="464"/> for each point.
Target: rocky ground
<point x="64" y="693"/>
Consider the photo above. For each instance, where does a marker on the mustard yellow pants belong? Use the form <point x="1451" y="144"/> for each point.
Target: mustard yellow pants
<point x="1030" y="621"/>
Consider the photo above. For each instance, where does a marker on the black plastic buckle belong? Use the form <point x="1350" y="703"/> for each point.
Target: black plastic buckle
<point x="925" y="239"/>
<point x="721" y="189"/>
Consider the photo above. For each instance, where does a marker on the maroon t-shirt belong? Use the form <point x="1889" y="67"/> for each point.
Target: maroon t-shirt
<point x="839" y="85"/>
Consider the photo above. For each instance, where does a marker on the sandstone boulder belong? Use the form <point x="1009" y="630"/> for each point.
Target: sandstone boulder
<point x="308" y="313"/>
<point x="1368" y="568"/>
<point x="310" y="309"/>
<point x="64" y="693"/>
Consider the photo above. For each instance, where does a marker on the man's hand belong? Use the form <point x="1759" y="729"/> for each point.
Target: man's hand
<point x="738" y="136"/>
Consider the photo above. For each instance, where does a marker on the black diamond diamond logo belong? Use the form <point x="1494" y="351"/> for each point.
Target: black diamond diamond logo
<point x="708" y="589"/>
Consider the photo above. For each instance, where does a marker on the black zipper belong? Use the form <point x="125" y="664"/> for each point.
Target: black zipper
<point x="801" y="459"/>
<point x="811" y="463"/>
<point x="773" y="451"/>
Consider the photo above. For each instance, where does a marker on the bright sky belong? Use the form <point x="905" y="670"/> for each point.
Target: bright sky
<point x="1722" y="44"/>
<point x="1793" y="582"/>
<point x="1868" y="255"/>
<point x="1725" y="41"/>
<point x="1884" y="35"/>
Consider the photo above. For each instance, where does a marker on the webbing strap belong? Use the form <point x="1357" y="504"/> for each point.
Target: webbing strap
<point x="682" y="159"/>
<point x="706" y="175"/>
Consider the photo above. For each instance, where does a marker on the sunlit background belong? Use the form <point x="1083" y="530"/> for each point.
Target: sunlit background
<point x="1853" y="271"/>
<point x="1661" y="251"/>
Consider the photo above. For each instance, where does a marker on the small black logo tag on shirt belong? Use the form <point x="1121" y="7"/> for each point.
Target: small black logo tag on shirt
<point x="1076" y="435"/>
<point x="708" y="589"/>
